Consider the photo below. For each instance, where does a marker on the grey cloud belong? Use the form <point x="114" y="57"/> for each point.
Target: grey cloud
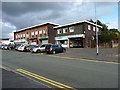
<point x="29" y="13"/>
<point x="25" y="14"/>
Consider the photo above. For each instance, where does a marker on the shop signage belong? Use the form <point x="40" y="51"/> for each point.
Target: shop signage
<point x="20" y="40"/>
<point x="69" y="36"/>
<point x="45" y="37"/>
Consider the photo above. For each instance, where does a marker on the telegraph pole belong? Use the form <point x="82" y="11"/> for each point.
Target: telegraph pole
<point x="96" y="32"/>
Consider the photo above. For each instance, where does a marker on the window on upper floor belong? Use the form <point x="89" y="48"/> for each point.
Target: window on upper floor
<point x="97" y="29"/>
<point x="23" y="35"/>
<point x="32" y="33"/>
<point x="65" y="30"/>
<point x="36" y="32"/>
<point x="40" y="32"/>
<point x="94" y="28"/>
<point x="27" y="35"/>
<point x="89" y="27"/>
<point x="16" y="36"/>
<point x="71" y="29"/>
<point x="45" y="31"/>
<point x="59" y="31"/>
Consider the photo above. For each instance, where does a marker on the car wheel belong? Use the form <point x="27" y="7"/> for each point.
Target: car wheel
<point x="54" y="52"/>
<point x="38" y="51"/>
<point x="64" y="50"/>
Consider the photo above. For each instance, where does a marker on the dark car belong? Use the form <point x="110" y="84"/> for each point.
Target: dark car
<point x="17" y="46"/>
<point x="54" y="49"/>
<point x="28" y="48"/>
<point x="11" y="47"/>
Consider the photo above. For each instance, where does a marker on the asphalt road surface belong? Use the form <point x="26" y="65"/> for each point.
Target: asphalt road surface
<point x="62" y="72"/>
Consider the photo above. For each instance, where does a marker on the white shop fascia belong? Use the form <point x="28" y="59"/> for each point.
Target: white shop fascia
<point x="69" y="36"/>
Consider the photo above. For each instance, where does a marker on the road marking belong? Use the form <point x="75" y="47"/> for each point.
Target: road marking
<point x="83" y="59"/>
<point x="49" y="81"/>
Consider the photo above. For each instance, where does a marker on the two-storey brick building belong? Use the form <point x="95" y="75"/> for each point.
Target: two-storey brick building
<point x="42" y="33"/>
<point x="78" y="34"/>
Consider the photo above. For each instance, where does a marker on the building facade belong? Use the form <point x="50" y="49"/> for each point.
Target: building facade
<point x="78" y="34"/>
<point x="4" y="41"/>
<point x="35" y="35"/>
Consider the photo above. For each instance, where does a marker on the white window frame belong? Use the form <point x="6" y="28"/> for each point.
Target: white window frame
<point x="40" y="32"/>
<point x="97" y="29"/>
<point x="59" y="30"/>
<point x="32" y="33"/>
<point x="64" y="30"/>
<point x="23" y="35"/>
<point x="16" y="36"/>
<point x="89" y="27"/>
<point x="71" y="29"/>
<point x="36" y="32"/>
<point x="94" y="28"/>
<point x="45" y="31"/>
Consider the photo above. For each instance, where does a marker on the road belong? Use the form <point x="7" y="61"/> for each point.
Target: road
<point x="62" y="72"/>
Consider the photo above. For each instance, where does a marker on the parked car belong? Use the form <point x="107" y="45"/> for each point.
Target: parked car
<point x="2" y="46"/>
<point x="11" y="46"/>
<point x="22" y="47"/>
<point x="41" y="48"/>
<point x="55" y="49"/>
<point x="5" y="47"/>
<point x="16" y="46"/>
<point x="29" y="47"/>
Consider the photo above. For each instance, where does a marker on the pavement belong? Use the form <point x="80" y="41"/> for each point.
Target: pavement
<point x="105" y="54"/>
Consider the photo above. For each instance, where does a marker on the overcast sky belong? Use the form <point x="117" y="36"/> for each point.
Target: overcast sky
<point x="18" y="15"/>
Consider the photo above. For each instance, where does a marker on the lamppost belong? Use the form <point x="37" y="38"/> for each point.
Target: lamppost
<point x="96" y="32"/>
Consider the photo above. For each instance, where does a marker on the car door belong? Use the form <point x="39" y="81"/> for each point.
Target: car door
<point x="42" y="48"/>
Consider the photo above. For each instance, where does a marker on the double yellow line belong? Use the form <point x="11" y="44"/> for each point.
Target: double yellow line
<point x="49" y="81"/>
<point x="83" y="59"/>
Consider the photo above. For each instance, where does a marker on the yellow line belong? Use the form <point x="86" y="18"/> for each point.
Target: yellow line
<point x="83" y="59"/>
<point x="44" y="79"/>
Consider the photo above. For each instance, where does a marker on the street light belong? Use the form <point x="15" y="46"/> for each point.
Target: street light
<point x="96" y="31"/>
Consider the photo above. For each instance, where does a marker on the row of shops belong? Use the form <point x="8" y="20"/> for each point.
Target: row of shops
<point x="79" y="34"/>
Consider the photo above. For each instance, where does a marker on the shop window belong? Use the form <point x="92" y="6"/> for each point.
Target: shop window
<point x="89" y="27"/>
<point x="59" y="31"/>
<point x="71" y="29"/>
<point x="65" y="30"/>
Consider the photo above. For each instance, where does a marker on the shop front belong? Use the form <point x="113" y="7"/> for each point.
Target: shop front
<point x="70" y="40"/>
<point x="43" y="40"/>
<point x="20" y="41"/>
<point x="33" y="41"/>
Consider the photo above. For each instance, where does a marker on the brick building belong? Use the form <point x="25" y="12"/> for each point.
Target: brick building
<point x="78" y="34"/>
<point x="42" y="33"/>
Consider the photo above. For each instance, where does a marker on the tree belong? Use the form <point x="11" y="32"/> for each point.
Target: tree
<point x="107" y="35"/>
